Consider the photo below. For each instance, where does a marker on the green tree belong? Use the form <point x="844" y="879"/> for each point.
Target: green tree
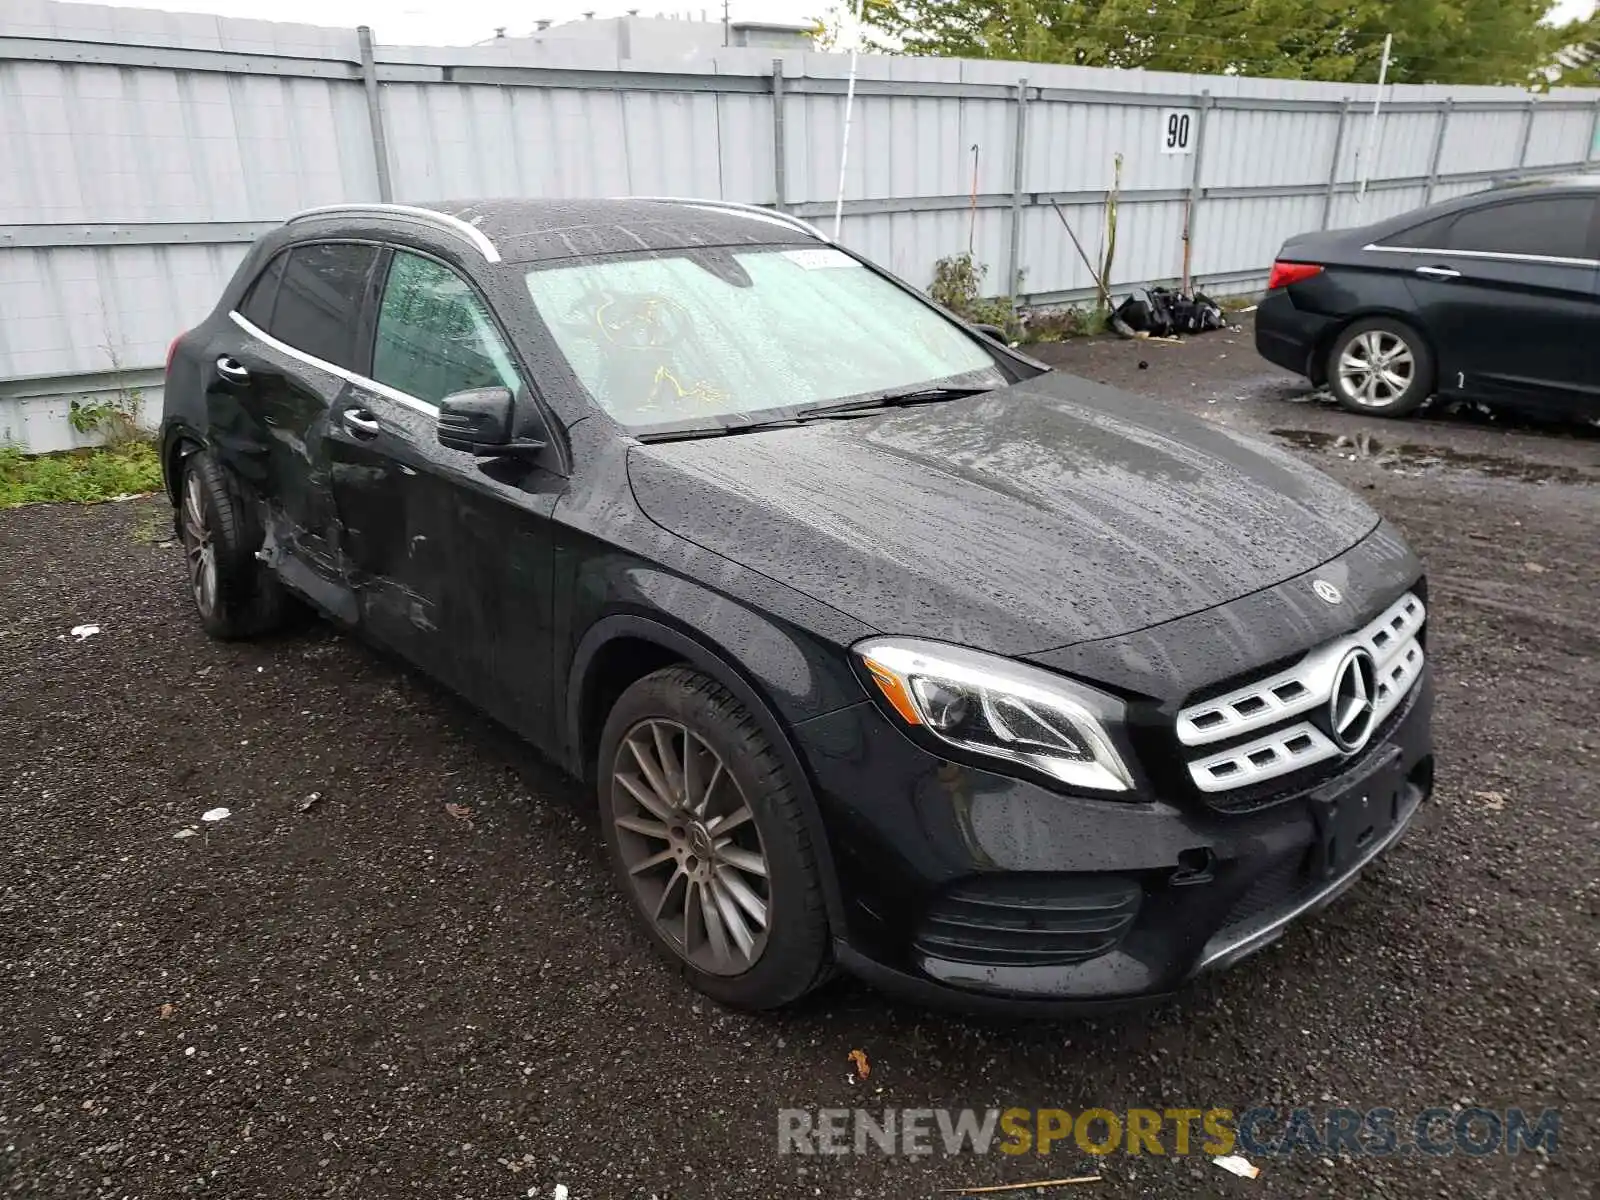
<point x="1435" y="41"/>
<point x="1577" y="59"/>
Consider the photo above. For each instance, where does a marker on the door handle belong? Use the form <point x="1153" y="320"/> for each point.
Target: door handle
<point x="231" y="370"/>
<point x="1439" y="272"/>
<point x="361" y="423"/>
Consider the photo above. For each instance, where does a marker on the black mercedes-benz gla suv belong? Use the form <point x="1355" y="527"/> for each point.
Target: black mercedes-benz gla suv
<point x="884" y="647"/>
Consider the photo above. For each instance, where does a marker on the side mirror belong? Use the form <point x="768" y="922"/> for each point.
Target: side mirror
<point x="483" y="422"/>
<point x="994" y="333"/>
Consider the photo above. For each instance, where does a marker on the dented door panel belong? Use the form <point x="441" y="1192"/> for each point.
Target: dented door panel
<point x="449" y="557"/>
<point x="271" y="430"/>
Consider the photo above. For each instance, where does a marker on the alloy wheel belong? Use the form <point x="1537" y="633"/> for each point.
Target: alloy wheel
<point x="691" y="848"/>
<point x="1376" y="368"/>
<point x="198" y="546"/>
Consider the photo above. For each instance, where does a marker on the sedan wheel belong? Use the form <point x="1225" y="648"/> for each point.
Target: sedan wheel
<point x="691" y="847"/>
<point x="1376" y="369"/>
<point x="1380" y="367"/>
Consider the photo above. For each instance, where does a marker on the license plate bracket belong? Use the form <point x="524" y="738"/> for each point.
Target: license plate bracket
<point x="1354" y="815"/>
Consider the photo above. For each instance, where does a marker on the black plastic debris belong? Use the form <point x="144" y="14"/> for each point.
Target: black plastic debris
<point x="1162" y="312"/>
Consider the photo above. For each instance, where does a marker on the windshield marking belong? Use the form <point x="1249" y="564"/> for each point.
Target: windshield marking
<point x="736" y="335"/>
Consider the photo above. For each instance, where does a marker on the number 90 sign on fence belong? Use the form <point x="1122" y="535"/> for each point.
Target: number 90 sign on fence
<point x="1177" y="131"/>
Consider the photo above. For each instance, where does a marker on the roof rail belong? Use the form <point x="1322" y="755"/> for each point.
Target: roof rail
<point x="430" y="216"/>
<point x="754" y="210"/>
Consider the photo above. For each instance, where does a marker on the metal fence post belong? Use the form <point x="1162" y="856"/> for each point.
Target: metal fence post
<point x="1333" y="167"/>
<point x="1594" y="134"/>
<point x="780" y="165"/>
<point x="1438" y="149"/>
<point x="380" y="142"/>
<point x="1527" y="132"/>
<point x="1191" y="218"/>
<point x="1019" y="153"/>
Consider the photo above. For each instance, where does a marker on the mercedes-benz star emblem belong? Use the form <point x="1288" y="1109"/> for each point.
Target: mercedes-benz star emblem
<point x="1350" y="711"/>
<point x="1327" y="591"/>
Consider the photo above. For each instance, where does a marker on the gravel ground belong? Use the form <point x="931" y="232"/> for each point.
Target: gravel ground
<point x="420" y="982"/>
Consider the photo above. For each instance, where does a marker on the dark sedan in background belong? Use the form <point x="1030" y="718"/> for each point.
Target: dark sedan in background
<point x="1490" y="297"/>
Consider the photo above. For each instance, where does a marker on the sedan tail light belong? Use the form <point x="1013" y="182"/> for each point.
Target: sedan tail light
<point x="1285" y="273"/>
<point x="171" y="349"/>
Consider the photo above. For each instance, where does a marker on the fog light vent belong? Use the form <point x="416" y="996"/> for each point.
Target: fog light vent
<point x="1029" y="920"/>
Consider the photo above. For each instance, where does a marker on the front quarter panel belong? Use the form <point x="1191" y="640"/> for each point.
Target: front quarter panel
<point x="620" y="563"/>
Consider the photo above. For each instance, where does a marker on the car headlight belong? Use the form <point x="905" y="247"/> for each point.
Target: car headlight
<point x="1000" y="708"/>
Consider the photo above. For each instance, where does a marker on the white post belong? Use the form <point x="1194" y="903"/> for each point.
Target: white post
<point x="1372" y="127"/>
<point x="849" y="103"/>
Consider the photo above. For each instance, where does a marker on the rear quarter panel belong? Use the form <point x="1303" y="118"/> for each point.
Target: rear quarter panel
<point x="1347" y="292"/>
<point x="1352" y="290"/>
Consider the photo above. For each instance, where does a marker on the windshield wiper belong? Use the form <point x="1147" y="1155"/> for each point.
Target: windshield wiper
<point x="907" y="396"/>
<point x="705" y="431"/>
<point x="849" y="408"/>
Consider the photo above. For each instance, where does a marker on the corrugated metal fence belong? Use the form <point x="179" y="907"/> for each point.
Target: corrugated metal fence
<point x="141" y="151"/>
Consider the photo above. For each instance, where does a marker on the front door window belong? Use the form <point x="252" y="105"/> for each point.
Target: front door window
<point x="434" y="336"/>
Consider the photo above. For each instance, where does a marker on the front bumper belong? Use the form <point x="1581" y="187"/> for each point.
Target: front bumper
<point x="1154" y="893"/>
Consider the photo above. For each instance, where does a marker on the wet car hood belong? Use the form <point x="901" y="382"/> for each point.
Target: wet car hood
<point x="1038" y="516"/>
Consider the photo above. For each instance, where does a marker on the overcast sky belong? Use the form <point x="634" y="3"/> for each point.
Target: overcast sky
<point x="460" y="22"/>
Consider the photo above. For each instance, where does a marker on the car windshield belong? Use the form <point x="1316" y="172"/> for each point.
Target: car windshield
<point x="716" y="335"/>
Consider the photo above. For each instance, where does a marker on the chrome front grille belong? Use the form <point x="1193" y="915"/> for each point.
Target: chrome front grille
<point x="1270" y="706"/>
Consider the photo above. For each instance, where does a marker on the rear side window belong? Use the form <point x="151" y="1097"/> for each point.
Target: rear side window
<point x="1558" y="227"/>
<point x="258" y="301"/>
<point x="319" y="299"/>
<point x="434" y="335"/>
<point x="1552" y="227"/>
<point x="1430" y="235"/>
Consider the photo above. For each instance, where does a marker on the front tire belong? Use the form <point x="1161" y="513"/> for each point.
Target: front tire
<point x="709" y="842"/>
<point x="235" y="595"/>
<point x="1380" y="367"/>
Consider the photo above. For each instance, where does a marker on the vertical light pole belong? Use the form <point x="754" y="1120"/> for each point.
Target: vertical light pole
<point x="849" y="104"/>
<point x="1372" y="127"/>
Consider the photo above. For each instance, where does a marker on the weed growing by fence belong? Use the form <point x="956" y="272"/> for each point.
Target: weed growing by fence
<point x="78" y="476"/>
<point x="958" y="285"/>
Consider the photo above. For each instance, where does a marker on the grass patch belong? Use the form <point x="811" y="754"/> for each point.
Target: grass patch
<point x="1060" y="324"/>
<point x="78" y="476"/>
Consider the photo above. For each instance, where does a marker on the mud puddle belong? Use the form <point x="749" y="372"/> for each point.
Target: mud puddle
<point x="1412" y="456"/>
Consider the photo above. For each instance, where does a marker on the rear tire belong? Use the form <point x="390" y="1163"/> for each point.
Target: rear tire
<point x="235" y="595"/>
<point x="707" y="836"/>
<point x="1380" y="367"/>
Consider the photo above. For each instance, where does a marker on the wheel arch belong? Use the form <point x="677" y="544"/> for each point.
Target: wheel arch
<point x="621" y="648"/>
<point x="180" y="442"/>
